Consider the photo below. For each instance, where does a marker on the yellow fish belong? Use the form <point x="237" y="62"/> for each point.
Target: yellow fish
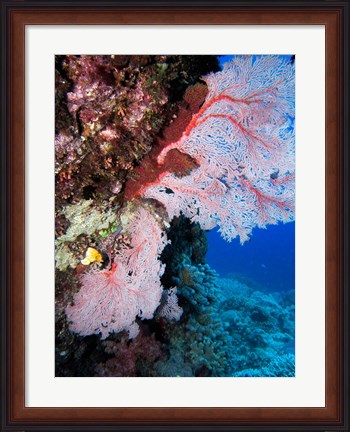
<point x="91" y="256"/>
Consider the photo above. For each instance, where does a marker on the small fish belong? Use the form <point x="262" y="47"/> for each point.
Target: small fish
<point x="274" y="175"/>
<point x="91" y="256"/>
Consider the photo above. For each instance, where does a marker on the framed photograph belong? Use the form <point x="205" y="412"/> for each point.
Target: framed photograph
<point x="175" y="216"/>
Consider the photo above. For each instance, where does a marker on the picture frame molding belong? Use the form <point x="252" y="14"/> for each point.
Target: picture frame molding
<point x="15" y="16"/>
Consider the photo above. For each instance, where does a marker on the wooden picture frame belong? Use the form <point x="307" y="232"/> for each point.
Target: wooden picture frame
<point x="15" y="16"/>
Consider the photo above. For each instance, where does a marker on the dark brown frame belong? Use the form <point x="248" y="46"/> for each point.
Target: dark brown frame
<point x="335" y="16"/>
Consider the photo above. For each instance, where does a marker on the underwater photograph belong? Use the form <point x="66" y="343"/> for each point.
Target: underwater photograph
<point x="174" y="216"/>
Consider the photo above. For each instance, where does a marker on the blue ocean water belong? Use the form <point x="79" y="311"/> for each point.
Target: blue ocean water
<point x="267" y="260"/>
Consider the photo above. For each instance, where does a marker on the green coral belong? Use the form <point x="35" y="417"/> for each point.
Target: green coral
<point x="105" y="232"/>
<point x="86" y="219"/>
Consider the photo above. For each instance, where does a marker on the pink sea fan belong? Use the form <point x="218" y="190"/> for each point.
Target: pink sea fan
<point x="243" y="141"/>
<point x="110" y="300"/>
<point x="170" y="309"/>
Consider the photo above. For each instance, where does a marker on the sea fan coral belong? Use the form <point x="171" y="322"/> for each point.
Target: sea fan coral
<point x="110" y="300"/>
<point x="243" y="142"/>
<point x="170" y="309"/>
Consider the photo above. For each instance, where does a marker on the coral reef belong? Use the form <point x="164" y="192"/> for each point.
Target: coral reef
<point x="110" y="112"/>
<point x="147" y="157"/>
<point x="201" y="338"/>
<point x="282" y="366"/>
<point x="262" y="329"/>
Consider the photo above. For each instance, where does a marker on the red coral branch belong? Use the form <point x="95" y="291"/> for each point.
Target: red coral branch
<point x="150" y="170"/>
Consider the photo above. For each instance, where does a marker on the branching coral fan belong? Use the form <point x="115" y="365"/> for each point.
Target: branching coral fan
<point x="110" y="300"/>
<point x="243" y="141"/>
<point x="239" y="156"/>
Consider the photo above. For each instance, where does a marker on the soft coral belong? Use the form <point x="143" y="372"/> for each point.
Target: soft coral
<point x="242" y="139"/>
<point x="110" y="300"/>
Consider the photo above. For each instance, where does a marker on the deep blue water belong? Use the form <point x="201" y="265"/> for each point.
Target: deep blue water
<point x="267" y="260"/>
